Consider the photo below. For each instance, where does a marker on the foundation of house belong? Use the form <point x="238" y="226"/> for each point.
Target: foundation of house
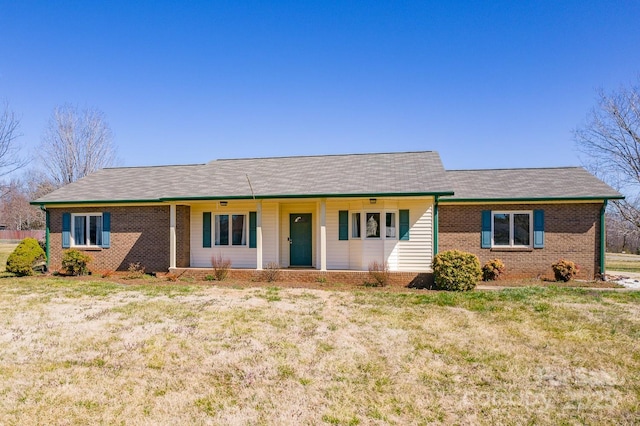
<point x="355" y="278"/>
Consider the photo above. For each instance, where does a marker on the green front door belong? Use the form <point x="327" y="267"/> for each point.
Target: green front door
<point x="300" y="239"/>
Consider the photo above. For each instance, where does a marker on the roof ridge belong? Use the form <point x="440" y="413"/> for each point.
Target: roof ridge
<point x="321" y="155"/>
<point x="514" y="169"/>
<point x="153" y="166"/>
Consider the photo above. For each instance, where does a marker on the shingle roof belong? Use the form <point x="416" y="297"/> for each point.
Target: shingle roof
<point x="344" y="175"/>
<point x="543" y="183"/>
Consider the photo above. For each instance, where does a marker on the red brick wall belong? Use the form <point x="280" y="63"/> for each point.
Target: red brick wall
<point x="138" y="234"/>
<point x="571" y="232"/>
<point x="183" y="236"/>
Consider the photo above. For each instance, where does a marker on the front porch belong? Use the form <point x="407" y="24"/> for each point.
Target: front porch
<point x="324" y="234"/>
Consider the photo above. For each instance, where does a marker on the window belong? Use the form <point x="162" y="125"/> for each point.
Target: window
<point x="391" y="225"/>
<point x="355" y="225"/>
<point x="373" y="225"/>
<point x="511" y="229"/>
<point x="234" y="231"/>
<point x="86" y="229"/>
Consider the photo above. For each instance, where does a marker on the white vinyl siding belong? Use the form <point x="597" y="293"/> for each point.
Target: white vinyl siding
<point x="413" y="255"/>
<point x="241" y="256"/>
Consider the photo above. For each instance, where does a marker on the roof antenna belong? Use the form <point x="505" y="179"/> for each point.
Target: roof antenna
<point x="250" y="187"/>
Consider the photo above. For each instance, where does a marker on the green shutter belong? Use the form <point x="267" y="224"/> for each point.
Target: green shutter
<point x="538" y="229"/>
<point x="206" y="229"/>
<point x="252" y="230"/>
<point x="66" y="230"/>
<point x="106" y="230"/>
<point x="404" y="225"/>
<point x="485" y="239"/>
<point x="343" y="225"/>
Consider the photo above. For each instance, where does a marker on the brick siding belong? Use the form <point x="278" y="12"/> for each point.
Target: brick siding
<point x="183" y="236"/>
<point x="571" y="232"/>
<point x="138" y="234"/>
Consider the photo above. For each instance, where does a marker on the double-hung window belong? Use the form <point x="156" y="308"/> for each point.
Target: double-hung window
<point x="390" y="225"/>
<point x="230" y="229"/>
<point x="355" y="225"/>
<point x="86" y="229"/>
<point x="373" y="225"/>
<point x="511" y="229"/>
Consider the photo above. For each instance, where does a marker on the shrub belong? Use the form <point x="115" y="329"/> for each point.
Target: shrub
<point x="270" y="273"/>
<point x="564" y="270"/>
<point x="209" y="277"/>
<point x="74" y="262"/>
<point x="221" y="267"/>
<point x="492" y="270"/>
<point x="379" y="272"/>
<point x="135" y="271"/>
<point x="107" y="273"/>
<point x="456" y="270"/>
<point x="25" y="256"/>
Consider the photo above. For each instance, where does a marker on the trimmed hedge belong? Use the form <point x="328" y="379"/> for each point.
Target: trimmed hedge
<point x="456" y="270"/>
<point x="27" y="254"/>
<point x="74" y="262"/>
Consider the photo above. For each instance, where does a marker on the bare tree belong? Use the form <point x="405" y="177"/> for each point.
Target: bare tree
<point x="76" y="143"/>
<point x="611" y="141"/>
<point x="10" y="159"/>
<point x="15" y="211"/>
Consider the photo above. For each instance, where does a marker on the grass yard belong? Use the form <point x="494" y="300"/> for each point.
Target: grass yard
<point x="623" y="262"/>
<point x="5" y="251"/>
<point x="84" y="352"/>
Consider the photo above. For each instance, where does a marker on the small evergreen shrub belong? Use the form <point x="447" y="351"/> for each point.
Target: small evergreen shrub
<point x="221" y="267"/>
<point x="379" y="274"/>
<point x="564" y="270"/>
<point x="209" y="277"/>
<point x="24" y="257"/>
<point x="74" y="262"/>
<point x="492" y="270"/>
<point x="456" y="270"/>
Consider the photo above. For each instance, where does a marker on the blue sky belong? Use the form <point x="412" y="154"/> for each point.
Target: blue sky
<point x="487" y="84"/>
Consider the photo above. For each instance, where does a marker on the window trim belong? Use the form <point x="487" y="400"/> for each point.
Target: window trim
<point x="511" y="214"/>
<point x="72" y="233"/>
<point x="245" y="227"/>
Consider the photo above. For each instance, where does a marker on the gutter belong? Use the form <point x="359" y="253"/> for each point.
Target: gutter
<point x="46" y="233"/>
<point x="246" y="197"/>
<point x="603" y="240"/>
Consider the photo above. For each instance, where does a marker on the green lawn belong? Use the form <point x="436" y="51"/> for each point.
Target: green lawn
<point x="5" y="251"/>
<point x="623" y="262"/>
<point x="86" y="352"/>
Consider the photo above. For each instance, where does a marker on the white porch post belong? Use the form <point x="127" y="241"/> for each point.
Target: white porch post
<point x="323" y="235"/>
<point x="259" y="236"/>
<point x="172" y="236"/>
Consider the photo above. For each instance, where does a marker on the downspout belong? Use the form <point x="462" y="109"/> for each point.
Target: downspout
<point x="603" y="239"/>
<point x="46" y="232"/>
<point x="435" y="226"/>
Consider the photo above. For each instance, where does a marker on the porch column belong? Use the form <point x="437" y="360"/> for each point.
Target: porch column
<point x="323" y="235"/>
<point x="259" y="236"/>
<point x="172" y="236"/>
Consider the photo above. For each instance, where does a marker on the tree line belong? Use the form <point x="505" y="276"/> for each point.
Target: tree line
<point x="75" y="143"/>
<point x="610" y="140"/>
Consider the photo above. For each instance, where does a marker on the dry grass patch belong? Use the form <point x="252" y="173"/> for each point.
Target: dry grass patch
<point x="78" y="352"/>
